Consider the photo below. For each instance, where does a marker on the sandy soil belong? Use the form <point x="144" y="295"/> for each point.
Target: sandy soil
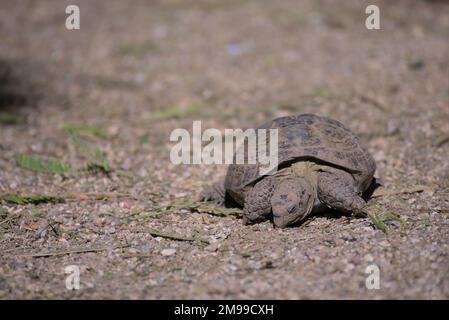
<point x="138" y="70"/>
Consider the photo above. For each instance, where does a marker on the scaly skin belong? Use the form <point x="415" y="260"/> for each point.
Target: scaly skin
<point x="292" y="201"/>
<point x="337" y="190"/>
<point x="257" y="206"/>
<point x="292" y="192"/>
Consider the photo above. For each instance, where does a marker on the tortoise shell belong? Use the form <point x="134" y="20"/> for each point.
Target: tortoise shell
<point x="307" y="137"/>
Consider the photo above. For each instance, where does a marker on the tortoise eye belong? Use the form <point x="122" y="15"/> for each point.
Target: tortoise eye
<point x="291" y="209"/>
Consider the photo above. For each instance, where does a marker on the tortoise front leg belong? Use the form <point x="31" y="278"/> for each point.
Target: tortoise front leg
<point x="257" y="207"/>
<point x="336" y="189"/>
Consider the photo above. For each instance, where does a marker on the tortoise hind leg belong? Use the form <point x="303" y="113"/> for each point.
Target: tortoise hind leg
<point x="257" y="206"/>
<point x="215" y="193"/>
<point x="336" y="189"/>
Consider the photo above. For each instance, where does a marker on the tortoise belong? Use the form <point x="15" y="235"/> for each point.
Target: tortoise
<point x="320" y="162"/>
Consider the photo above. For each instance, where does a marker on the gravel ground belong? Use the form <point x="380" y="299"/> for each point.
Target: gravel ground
<point x="135" y="71"/>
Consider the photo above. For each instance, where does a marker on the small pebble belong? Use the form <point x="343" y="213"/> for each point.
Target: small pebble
<point x="168" y="252"/>
<point x="110" y="230"/>
<point x="368" y="257"/>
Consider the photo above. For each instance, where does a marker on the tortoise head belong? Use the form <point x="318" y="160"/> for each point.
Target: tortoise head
<point x="292" y="201"/>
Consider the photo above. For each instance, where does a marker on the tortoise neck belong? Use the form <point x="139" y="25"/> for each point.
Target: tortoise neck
<point x="303" y="168"/>
<point x="307" y="170"/>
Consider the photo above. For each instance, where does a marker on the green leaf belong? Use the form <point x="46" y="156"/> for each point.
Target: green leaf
<point x="30" y="199"/>
<point x="83" y="129"/>
<point x="36" y="164"/>
<point x="378" y="222"/>
<point x="95" y="157"/>
<point x="7" y="118"/>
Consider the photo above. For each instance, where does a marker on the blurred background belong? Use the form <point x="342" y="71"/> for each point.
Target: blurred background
<point x="101" y="101"/>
